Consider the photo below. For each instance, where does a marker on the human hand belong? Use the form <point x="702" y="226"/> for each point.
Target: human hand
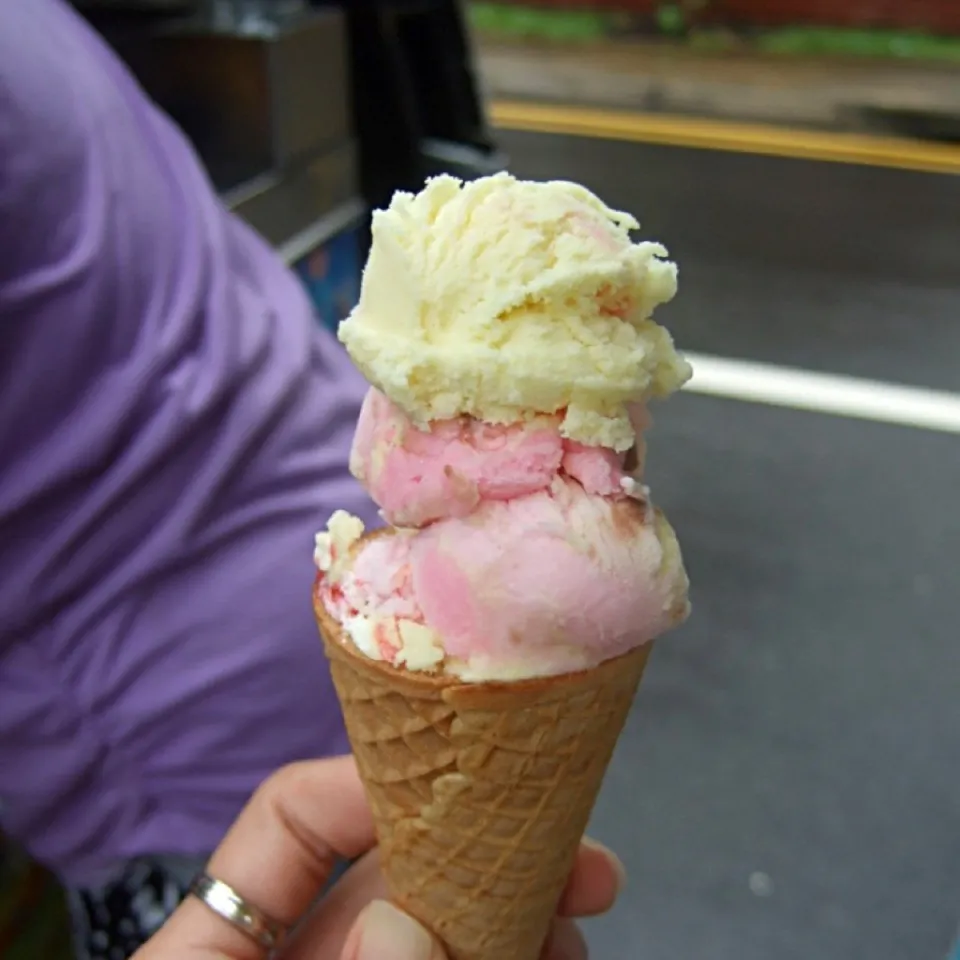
<point x="280" y="852"/>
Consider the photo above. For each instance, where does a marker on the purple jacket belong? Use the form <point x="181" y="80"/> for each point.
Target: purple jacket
<point x="174" y="427"/>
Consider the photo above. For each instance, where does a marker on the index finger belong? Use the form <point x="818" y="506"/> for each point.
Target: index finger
<point x="277" y="856"/>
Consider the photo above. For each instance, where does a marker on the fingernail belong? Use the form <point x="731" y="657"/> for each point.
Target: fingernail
<point x="387" y="933"/>
<point x="618" y="868"/>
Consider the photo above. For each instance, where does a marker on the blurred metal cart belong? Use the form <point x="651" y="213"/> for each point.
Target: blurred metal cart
<point x="308" y="115"/>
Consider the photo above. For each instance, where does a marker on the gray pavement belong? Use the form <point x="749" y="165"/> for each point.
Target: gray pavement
<point x="789" y="782"/>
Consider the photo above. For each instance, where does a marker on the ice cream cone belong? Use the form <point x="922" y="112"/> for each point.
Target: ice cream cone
<point x="481" y="792"/>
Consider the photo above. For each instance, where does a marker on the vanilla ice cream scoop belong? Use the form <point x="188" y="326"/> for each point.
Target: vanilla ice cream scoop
<point x="505" y="300"/>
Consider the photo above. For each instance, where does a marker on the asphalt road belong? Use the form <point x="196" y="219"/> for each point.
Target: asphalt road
<point x="788" y="787"/>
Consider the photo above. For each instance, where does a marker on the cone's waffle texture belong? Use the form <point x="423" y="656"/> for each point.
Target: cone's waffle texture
<point x="480" y="792"/>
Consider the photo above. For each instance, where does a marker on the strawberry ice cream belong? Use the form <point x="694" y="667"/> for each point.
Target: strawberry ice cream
<point x="549" y="582"/>
<point x="419" y="475"/>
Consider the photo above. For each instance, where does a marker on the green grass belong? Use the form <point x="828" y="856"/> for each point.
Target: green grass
<point x="518" y="22"/>
<point x="824" y="41"/>
<point x="531" y="23"/>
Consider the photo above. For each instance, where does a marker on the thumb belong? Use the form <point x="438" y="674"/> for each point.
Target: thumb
<point x="382" y="932"/>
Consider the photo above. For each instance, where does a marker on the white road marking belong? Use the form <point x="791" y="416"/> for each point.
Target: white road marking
<point x="824" y="393"/>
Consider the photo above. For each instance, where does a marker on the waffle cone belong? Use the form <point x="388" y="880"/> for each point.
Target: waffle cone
<point x="480" y="792"/>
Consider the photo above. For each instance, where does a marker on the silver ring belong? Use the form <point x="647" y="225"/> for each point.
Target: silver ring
<point x="225" y="902"/>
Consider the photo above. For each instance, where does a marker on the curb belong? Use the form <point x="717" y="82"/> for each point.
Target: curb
<point x="905" y="99"/>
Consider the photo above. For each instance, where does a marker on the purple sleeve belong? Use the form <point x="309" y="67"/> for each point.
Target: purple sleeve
<point x="174" y="426"/>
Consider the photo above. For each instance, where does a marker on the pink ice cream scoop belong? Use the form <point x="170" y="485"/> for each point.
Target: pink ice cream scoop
<point x="547" y="583"/>
<point x="417" y="476"/>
